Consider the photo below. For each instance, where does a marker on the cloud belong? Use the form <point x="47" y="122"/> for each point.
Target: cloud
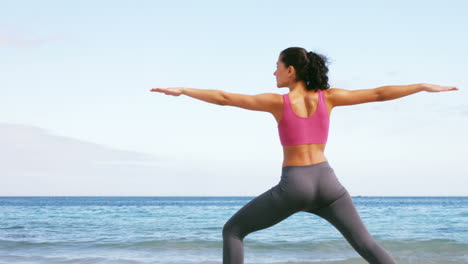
<point x="32" y="150"/>
<point x="13" y="38"/>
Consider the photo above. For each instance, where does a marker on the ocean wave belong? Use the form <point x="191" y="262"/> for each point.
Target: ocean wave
<point x="12" y="227"/>
<point x="446" y="245"/>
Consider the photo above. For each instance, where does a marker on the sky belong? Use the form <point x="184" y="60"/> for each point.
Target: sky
<point x="77" y="117"/>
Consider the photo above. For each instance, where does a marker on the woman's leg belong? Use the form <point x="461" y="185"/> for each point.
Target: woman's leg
<point x="264" y="211"/>
<point x="343" y="215"/>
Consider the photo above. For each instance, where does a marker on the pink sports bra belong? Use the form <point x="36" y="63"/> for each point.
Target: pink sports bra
<point x="296" y="130"/>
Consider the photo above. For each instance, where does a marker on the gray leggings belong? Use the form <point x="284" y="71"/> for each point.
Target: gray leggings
<point x="311" y="188"/>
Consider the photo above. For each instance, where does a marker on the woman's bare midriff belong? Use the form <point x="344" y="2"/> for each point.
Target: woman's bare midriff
<point x="302" y="155"/>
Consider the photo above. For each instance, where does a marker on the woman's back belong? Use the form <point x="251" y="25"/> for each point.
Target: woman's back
<point x="303" y="122"/>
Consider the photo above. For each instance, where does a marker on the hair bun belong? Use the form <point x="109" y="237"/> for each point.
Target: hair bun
<point x="312" y="58"/>
<point x="310" y="67"/>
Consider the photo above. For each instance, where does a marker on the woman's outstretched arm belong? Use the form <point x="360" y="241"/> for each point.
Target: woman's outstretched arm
<point x="210" y="96"/>
<point x="260" y="102"/>
<point x="340" y="97"/>
<point x="207" y="95"/>
<point x="391" y="92"/>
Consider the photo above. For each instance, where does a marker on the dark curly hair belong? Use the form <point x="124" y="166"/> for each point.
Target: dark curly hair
<point x="310" y="67"/>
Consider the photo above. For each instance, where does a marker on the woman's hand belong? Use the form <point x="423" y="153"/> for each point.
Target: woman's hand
<point x="438" y="88"/>
<point x="176" y="91"/>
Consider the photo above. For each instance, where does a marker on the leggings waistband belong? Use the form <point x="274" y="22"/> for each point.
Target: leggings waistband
<point x="316" y="165"/>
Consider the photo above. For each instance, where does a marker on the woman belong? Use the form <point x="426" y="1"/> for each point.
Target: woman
<point x="308" y="182"/>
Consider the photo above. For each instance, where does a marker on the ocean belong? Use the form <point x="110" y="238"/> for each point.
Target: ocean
<point x="188" y="230"/>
